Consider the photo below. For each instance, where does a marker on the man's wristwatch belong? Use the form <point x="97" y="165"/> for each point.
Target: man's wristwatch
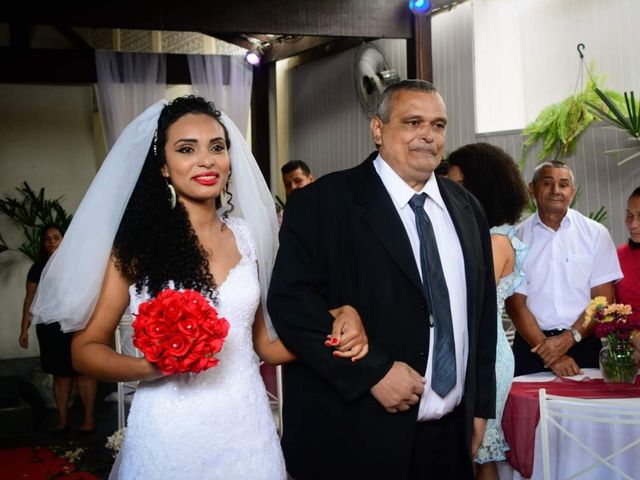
<point x="577" y="336"/>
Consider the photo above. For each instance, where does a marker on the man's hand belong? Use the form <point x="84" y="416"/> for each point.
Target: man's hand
<point x="565" y="366"/>
<point x="552" y="348"/>
<point x="400" y="388"/>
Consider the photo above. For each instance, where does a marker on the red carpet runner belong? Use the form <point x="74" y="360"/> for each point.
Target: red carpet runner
<point x="33" y="463"/>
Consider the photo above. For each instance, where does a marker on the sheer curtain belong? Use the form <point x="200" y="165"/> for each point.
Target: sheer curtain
<point x="226" y="80"/>
<point x="128" y="83"/>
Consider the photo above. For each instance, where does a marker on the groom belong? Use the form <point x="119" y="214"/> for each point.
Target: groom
<point x="412" y="253"/>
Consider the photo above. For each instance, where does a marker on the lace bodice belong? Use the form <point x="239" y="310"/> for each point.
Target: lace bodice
<point x="216" y="424"/>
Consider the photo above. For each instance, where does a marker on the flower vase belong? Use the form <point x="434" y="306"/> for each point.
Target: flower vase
<point x="617" y="363"/>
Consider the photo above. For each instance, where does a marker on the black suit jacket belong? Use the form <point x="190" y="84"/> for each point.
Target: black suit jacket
<point x="343" y="242"/>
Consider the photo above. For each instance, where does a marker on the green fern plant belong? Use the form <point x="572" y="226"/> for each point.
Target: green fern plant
<point x="559" y="125"/>
<point x="32" y="212"/>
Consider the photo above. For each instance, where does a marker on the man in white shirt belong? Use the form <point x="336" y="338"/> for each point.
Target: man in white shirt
<point x="571" y="260"/>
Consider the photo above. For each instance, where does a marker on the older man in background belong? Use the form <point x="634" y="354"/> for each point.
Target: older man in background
<point x="571" y="260"/>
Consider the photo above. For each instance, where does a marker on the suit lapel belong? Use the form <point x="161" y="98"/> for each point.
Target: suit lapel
<point x="464" y="222"/>
<point x="462" y="217"/>
<point x="381" y="215"/>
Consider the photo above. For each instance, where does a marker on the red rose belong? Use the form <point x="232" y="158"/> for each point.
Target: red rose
<point x="152" y="350"/>
<point x="169" y="365"/>
<point x="177" y="345"/>
<point x="218" y="327"/>
<point x="188" y="326"/>
<point x="172" y="307"/>
<point x="157" y="329"/>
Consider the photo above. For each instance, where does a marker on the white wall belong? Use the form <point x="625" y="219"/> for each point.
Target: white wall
<point x="526" y="57"/>
<point x="46" y="139"/>
<point x="327" y="126"/>
<point x="607" y="30"/>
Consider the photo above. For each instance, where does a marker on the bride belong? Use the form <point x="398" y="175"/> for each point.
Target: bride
<point x="180" y="204"/>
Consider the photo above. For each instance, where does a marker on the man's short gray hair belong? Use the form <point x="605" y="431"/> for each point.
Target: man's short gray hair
<point x="551" y="164"/>
<point x="383" y="112"/>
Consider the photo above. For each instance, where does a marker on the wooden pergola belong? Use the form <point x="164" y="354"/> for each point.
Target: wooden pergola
<point x="312" y="29"/>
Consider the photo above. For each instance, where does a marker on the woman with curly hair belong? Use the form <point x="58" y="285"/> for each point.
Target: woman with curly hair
<point x="188" y="225"/>
<point x="492" y="176"/>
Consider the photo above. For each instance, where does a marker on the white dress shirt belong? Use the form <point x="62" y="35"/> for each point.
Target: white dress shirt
<point x="432" y="406"/>
<point x="564" y="265"/>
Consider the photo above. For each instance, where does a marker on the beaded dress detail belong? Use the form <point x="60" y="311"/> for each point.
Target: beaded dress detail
<point x="216" y="424"/>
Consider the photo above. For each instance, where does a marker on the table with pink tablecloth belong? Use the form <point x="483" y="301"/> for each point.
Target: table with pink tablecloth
<point x="521" y="413"/>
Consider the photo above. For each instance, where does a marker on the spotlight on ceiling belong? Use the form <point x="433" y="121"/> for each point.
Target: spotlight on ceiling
<point x="420" y="7"/>
<point x="253" y="57"/>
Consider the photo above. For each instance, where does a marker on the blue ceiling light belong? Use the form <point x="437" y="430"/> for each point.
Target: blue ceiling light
<point x="420" y="7"/>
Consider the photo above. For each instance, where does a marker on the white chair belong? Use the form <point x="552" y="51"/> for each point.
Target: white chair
<point x="509" y="328"/>
<point x="124" y="344"/>
<point x="580" y="420"/>
<point x="276" y="400"/>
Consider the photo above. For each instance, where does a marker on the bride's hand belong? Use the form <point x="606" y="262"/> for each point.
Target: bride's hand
<point x="150" y="369"/>
<point x="348" y="336"/>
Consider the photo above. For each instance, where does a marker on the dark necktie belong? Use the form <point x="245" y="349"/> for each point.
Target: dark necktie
<point x="435" y="287"/>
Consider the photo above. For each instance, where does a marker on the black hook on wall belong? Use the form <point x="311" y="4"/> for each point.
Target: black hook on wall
<point x="580" y="47"/>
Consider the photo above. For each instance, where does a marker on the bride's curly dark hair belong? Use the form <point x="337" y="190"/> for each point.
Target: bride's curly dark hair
<point x="156" y="243"/>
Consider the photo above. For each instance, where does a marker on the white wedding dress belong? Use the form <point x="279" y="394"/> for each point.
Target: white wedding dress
<point x="216" y="424"/>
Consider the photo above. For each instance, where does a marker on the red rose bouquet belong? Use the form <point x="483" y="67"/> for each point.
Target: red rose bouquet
<point x="179" y="331"/>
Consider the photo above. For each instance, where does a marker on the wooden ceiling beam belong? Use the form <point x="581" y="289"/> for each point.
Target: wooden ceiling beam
<point x="355" y="18"/>
<point x="76" y="40"/>
<point x="283" y="49"/>
<point x="48" y="66"/>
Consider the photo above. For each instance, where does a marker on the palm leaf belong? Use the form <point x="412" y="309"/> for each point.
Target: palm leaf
<point x="31" y="245"/>
<point x="600" y="215"/>
<point x="3" y="245"/>
<point x="615" y="116"/>
<point x="32" y="212"/>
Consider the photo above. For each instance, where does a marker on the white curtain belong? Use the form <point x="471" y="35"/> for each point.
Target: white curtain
<point x="128" y="83"/>
<point x="226" y="81"/>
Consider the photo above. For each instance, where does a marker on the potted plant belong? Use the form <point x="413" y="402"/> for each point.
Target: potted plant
<point x="32" y="212"/>
<point x="629" y="122"/>
<point x="614" y="326"/>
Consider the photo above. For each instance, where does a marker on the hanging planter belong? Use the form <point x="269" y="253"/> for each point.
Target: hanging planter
<point x="560" y="125"/>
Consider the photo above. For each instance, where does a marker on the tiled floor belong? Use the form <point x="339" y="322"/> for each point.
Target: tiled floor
<point x="23" y="388"/>
<point x="20" y="428"/>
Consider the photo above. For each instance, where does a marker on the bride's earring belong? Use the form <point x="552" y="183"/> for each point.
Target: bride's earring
<point x="172" y="195"/>
<point x="223" y="197"/>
